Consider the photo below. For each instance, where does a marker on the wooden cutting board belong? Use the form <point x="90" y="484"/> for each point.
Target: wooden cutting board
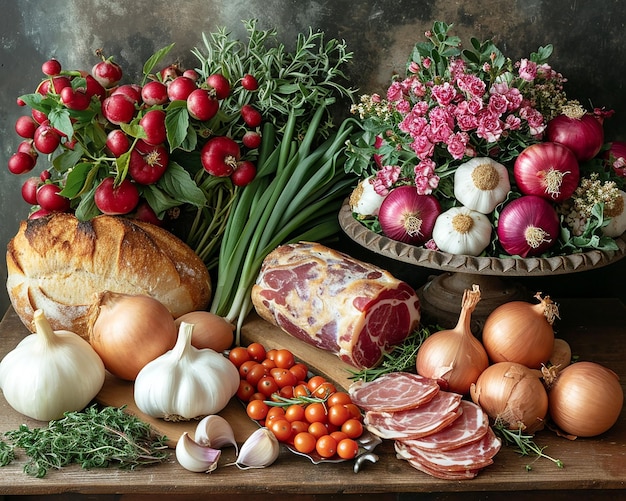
<point x="117" y="392"/>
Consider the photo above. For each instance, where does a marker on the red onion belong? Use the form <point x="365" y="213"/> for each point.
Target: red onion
<point x="548" y="170"/>
<point x="528" y="226"/>
<point x="583" y="135"/>
<point x="616" y="157"/>
<point x="407" y="216"/>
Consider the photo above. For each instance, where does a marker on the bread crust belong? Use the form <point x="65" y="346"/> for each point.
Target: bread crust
<point x="58" y="264"/>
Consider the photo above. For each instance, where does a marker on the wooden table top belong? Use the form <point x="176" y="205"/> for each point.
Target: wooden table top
<point x="596" y="330"/>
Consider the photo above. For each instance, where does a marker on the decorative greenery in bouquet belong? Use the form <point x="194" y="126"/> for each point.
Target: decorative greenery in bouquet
<point x="472" y="153"/>
<point x="177" y="148"/>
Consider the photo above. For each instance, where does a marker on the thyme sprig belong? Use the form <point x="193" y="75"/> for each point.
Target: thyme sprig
<point x="401" y="358"/>
<point x="524" y="443"/>
<point x="93" y="438"/>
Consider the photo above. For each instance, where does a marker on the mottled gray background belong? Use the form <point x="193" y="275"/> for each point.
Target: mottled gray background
<point x="588" y="39"/>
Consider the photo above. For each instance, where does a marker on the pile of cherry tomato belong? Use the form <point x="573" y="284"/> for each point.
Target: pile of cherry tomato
<point x="308" y="414"/>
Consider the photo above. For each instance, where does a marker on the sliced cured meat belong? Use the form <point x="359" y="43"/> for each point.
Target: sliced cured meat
<point x="396" y="391"/>
<point x="442" y="474"/>
<point x="426" y="419"/>
<point x="474" y="456"/>
<point x="470" y="427"/>
<point x="330" y="300"/>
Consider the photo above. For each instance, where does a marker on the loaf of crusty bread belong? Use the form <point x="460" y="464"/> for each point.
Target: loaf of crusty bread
<point x="58" y="264"/>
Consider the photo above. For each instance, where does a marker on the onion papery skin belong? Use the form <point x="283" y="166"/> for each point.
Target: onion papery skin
<point x="520" y="332"/>
<point x="512" y="395"/>
<point x="538" y="163"/>
<point x="524" y="216"/>
<point x="584" y="136"/>
<point x="586" y="399"/>
<point x="404" y="205"/>
<point x="615" y="157"/>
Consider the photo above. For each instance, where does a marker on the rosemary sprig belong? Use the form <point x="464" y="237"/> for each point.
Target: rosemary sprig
<point x="524" y="443"/>
<point x="279" y="401"/>
<point x="93" y="438"/>
<point x="401" y="358"/>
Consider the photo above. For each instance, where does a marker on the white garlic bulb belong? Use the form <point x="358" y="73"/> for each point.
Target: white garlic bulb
<point x="364" y="201"/>
<point x="481" y="184"/>
<point x="617" y="217"/>
<point x="460" y="230"/>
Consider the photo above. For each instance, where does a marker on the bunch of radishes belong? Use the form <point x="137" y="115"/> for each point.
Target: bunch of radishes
<point x="110" y="144"/>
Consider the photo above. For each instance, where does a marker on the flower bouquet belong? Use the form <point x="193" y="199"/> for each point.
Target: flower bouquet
<point x="473" y="154"/>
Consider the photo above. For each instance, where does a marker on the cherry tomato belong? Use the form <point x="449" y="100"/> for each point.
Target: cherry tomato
<point x="257" y="409"/>
<point x="268" y="364"/>
<point x="284" y="359"/>
<point x="354" y="411"/>
<point x="286" y="392"/>
<point x="256" y="352"/>
<point x="339" y="397"/>
<point x="324" y="390"/>
<point x="271" y="354"/>
<point x="304" y="442"/>
<point x="316" y="412"/>
<point x="245" y="367"/>
<point x="326" y="446"/>
<point x="300" y="371"/>
<point x="283" y="377"/>
<point x="315" y="381"/>
<point x="238" y="355"/>
<point x="281" y="428"/>
<point x="294" y="412"/>
<point x="298" y="426"/>
<point x="338" y="436"/>
<point x="245" y="391"/>
<point x="317" y="429"/>
<point x="353" y="428"/>
<point x="338" y="414"/>
<point x="267" y="386"/>
<point x="275" y="413"/>
<point x="301" y="390"/>
<point x="347" y="448"/>
<point x="255" y="374"/>
<point x="258" y="396"/>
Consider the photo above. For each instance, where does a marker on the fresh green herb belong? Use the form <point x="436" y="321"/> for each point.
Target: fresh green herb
<point x="7" y="453"/>
<point x="524" y="443"/>
<point x="92" y="438"/>
<point x="401" y="358"/>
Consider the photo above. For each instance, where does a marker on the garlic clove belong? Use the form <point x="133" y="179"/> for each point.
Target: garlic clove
<point x="261" y="449"/>
<point x="195" y="457"/>
<point x="214" y="431"/>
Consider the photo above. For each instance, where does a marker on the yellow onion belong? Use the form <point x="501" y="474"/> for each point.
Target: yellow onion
<point x="454" y="357"/>
<point x="585" y="399"/>
<point x="209" y="330"/>
<point x="128" y="331"/>
<point x="512" y="395"/>
<point x="521" y="332"/>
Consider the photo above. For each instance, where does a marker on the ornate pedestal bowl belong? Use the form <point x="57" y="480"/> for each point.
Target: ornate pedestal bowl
<point x="442" y="293"/>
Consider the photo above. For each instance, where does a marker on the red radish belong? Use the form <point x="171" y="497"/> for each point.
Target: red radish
<point x="153" y="123"/>
<point x="549" y="170"/>
<point x="154" y="93"/>
<point x="51" y="67"/>
<point x="39" y="116"/>
<point x="169" y="73"/>
<point x="28" y="146"/>
<point x="118" y="109"/>
<point x="148" y="162"/>
<point x="115" y="200"/>
<point x="407" y="216"/>
<point x="106" y="72"/>
<point x="583" y="134"/>
<point x="48" y="198"/>
<point x="251" y="115"/>
<point x="39" y="213"/>
<point x="20" y="101"/>
<point x="45" y="175"/>
<point x="249" y="82"/>
<point x="528" y="226"/>
<point x="145" y="213"/>
<point x="20" y="163"/>
<point x="75" y="99"/>
<point x="29" y="190"/>
<point x="251" y="139"/>
<point x="219" y="156"/>
<point x="180" y="88"/>
<point x="202" y="105"/>
<point x="54" y="84"/>
<point x="25" y="126"/>
<point x="219" y="83"/>
<point x="192" y="74"/>
<point x="615" y="157"/>
<point x="93" y="87"/>
<point x="117" y="142"/>
<point x="131" y="91"/>
<point x="244" y="173"/>
<point x="46" y="139"/>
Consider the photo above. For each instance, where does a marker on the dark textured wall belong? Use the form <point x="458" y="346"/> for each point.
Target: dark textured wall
<point x="588" y="39"/>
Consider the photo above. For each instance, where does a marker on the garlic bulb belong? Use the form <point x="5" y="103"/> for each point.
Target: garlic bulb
<point x="50" y="372"/>
<point x="364" y="201"/>
<point x="460" y="230"/>
<point x="617" y="214"/>
<point x="185" y="382"/>
<point x="194" y="456"/>
<point x="261" y="449"/>
<point x="481" y="184"/>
